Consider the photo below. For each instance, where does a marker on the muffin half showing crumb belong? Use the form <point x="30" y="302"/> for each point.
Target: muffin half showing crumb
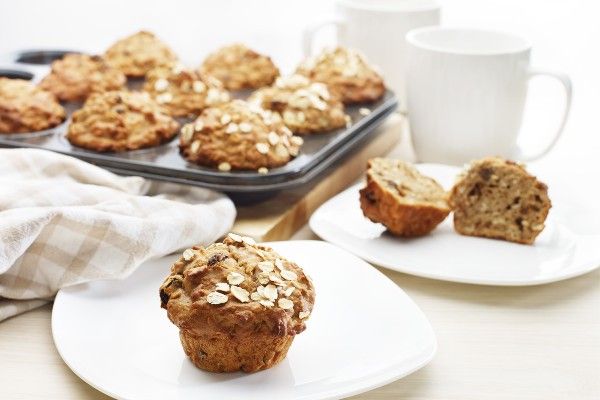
<point x="499" y="199"/>
<point x="238" y="305"/>
<point x="401" y="198"/>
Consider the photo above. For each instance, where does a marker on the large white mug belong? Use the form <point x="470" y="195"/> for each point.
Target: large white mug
<point x="466" y="94"/>
<point x="377" y="28"/>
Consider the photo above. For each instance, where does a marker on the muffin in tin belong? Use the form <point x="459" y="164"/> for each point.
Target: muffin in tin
<point x="139" y="53"/>
<point x="120" y="121"/>
<point x="76" y="76"/>
<point x="238" y="136"/>
<point x="305" y="106"/>
<point x="239" y="67"/>
<point x="183" y="92"/>
<point x="347" y="73"/>
<point x="238" y="305"/>
<point x="25" y="107"/>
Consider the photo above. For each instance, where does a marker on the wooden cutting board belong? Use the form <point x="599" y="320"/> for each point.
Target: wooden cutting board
<point x="279" y="217"/>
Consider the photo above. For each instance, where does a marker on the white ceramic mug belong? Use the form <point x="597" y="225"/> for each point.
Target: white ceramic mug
<point x="466" y="94"/>
<point x="377" y="28"/>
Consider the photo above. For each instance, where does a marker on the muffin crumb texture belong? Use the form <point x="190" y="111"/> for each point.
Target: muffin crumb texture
<point x="238" y="304"/>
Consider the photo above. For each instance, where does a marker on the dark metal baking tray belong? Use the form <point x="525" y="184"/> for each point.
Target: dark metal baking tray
<point x="165" y="163"/>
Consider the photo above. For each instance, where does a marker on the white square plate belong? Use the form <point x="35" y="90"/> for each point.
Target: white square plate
<point x="558" y="253"/>
<point x="364" y="332"/>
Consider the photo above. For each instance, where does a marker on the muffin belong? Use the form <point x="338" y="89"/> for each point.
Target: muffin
<point x="406" y="202"/>
<point x="347" y="73"/>
<point x="239" y="67"/>
<point x="119" y="121"/>
<point x="137" y="54"/>
<point x="27" y="108"/>
<point x="499" y="199"/>
<point x="305" y="106"/>
<point x="184" y="92"/>
<point x="76" y="76"/>
<point x="236" y="135"/>
<point x="238" y="305"/>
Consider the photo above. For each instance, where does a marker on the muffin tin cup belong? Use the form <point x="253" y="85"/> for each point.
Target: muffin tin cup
<point x="319" y="152"/>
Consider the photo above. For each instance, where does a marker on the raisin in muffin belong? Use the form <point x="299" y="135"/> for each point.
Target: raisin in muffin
<point x="27" y="108"/>
<point x="401" y="198"/>
<point x="184" y="92"/>
<point x="305" y="106"/>
<point x="236" y="135"/>
<point x="239" y="67"/>
<point x="238" y="305"/>
<point x="120" y="120"/>
<point x="76" y="76"/>
<point x="137" y="54"/>
<point x="499" y="199"/>
<point x="347" y="73"/>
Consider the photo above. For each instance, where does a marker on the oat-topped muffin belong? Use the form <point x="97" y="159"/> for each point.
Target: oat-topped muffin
<point x="347" y="73"/>
<point x="236" y="135"/>
<point x="76" y="76"/>
<point x="27" y="108"/>
<point x="239" y="67"/>
<point x="238" y="305"/>
<point x="137" y="54"/>
<point x="499" y="199"/>
<point x="120" y="120"/>
<point x="305" y="106"/>
<point x="184" y="92"/>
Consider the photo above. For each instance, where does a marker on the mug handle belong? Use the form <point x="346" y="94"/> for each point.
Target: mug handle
<point x="566" y="82"/>
<point x="311" y="31"/>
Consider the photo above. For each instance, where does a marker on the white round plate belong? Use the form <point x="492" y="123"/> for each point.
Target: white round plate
<point x="558" y="253"/>
<point x="364" y="332"/>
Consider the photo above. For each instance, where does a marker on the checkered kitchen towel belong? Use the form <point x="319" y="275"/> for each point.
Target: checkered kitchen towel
<point x="64" y="221"/>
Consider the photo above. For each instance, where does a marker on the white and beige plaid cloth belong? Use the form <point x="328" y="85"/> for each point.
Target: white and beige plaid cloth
<point x="64" y="221"/>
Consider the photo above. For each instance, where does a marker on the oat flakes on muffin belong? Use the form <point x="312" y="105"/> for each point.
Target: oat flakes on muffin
<point x="120" y="121"/>
<point x="305" y="106"/>
<point x="406" y="202"/>
<point x="76" y="76"/>
<point x="499" y="199"/>
<point x="137" y="54"/>
<point x="239" y="67"/>
<point x="238" y="136"/>
<point x="183" y="92"/>
<point x="347" y="73"/>
<point x="238" y="305"/>
<point x="27" y="108"/>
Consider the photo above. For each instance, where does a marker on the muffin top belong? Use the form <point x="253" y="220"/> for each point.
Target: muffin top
<point x="305" y="106"/>
<point x="76" y="76"/>
<point x="347" y="73"/>
<point x="237" y="287"/>
<point x="137" y="54"/>
<point x="236" y="135"/>
<point x="239" y="67"/>
<point x="120" y="120"/>
<point x="27" y="108"/>
<point x="184" y="92"/>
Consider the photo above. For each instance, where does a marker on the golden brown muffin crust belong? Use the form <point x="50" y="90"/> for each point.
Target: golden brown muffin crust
<point x="239" y="67"/>
<point x="119" y="121"/>
<point x="139" y="53"/>
<point x="306" y="107"/>
<point x="27" y="108"/>
<point x="183" y="92"/>
<point x="401" y="198"/>
<point x="347" y="73"/>
<point x="76" y="76"/>
<point x="236" y="135"/>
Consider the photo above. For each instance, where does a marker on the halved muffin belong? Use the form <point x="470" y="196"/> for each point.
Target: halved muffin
<point x="401" y="198"/>
<point x="499" y="199"/>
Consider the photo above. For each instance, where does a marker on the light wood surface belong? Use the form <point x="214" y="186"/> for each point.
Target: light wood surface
<point x="279" y="217"/>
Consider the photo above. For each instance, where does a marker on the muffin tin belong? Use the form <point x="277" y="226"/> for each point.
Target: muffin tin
<point x="164" y="162"/>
